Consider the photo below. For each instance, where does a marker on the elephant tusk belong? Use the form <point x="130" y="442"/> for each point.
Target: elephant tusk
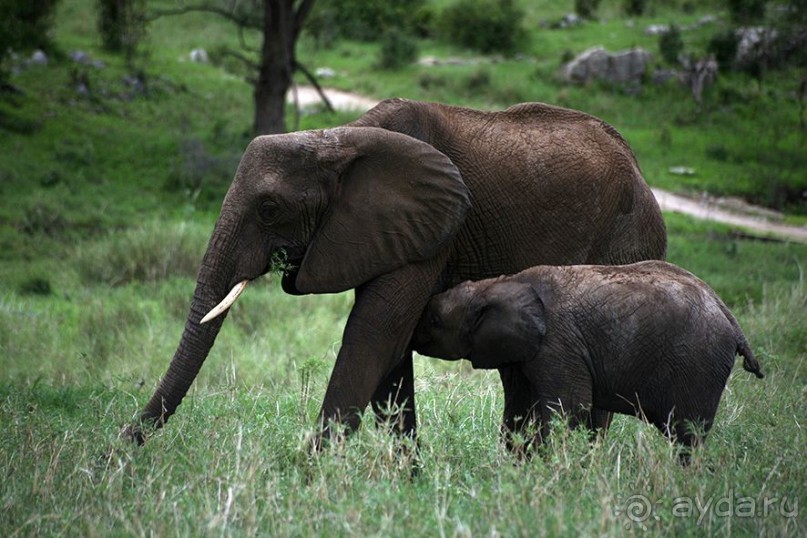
<point x="227" y="302"/>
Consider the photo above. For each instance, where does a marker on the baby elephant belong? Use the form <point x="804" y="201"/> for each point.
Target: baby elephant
<point x="647" y="339"/>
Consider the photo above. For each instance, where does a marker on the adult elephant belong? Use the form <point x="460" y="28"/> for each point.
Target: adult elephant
<point x="407" y="201"/>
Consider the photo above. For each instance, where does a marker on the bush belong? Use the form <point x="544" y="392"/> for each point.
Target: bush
<point x="586" y="8"/>
<point x="634" y="8"/>
<point x="487" y="26"/>
<point x="24" y="25"/>
<point x="723" y="46"/>
<point x="364" y="20"/>
<point x="746" y="11"/>
<point x="152" y="252"/>
<point x="670" y="44"/>
<point x="397" y="50"/>
<point x="200" y="174"/>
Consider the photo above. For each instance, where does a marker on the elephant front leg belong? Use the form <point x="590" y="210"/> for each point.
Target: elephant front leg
<point x="377" y="334"/>
<point x="394" y="399"/>
<point x="519" y="414"/>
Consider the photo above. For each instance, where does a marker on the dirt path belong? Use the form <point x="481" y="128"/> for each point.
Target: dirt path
<point x="709" y="209"/>
<point x="752" y="220"/>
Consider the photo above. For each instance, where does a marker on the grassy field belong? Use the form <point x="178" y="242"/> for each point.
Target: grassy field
<point x="108" y="201"/>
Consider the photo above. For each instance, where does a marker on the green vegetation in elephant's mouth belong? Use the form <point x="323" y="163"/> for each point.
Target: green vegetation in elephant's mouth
<point x="280" y="264"/>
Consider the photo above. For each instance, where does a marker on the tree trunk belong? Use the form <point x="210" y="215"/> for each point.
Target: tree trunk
<point x="276" y="67"/>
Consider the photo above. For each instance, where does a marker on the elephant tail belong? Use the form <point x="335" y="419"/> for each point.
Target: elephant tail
<point x="750" y="362"/>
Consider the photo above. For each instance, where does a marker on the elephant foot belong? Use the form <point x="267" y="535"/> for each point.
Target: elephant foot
<point x="133" y="433"/>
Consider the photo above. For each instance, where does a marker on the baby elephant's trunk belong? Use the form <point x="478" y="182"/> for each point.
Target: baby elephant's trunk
<point x="750" y="363"/>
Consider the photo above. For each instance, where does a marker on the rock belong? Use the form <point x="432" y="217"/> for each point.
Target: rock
<point x="681" y="170"/>
<point x="657" y="29"/>
<point x="622" y="67"/>
<point x="325" y="72"/>
<point x="753" y="42"/>
<point x="661" y="76"/>
<point x="82" y="58"/>
<point x="39" y="58"/>
<point x="568" y="21"/>
<point x="136" y="83"/>
<point x="199" y="55"/>
<point x="706" y="19"/>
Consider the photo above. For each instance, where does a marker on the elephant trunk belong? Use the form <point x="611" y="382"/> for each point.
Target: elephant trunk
<point x="197" y="339"/>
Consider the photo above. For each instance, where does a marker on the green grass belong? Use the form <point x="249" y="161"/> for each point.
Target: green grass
<point x="107" y="206"/>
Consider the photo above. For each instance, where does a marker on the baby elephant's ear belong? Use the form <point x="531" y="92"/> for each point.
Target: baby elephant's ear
<point x="510" y="325"/>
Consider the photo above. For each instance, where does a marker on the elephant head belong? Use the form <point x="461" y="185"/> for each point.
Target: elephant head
<point x="491" y="323"/>
<point x="339" y="207"/>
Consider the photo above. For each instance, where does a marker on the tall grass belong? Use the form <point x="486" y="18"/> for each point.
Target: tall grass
<point x="235" y="458"/>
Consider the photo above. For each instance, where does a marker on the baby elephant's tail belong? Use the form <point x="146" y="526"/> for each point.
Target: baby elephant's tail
<point x="750" y="362"/>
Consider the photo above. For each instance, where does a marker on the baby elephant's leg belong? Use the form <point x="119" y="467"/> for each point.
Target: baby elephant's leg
<point x="519" y="415"/>
<point x="567" y="392"/>
<point x="686" y="421"/>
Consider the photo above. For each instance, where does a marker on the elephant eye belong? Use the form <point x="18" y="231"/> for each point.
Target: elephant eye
<point x="268" y="211"/>
<point x="434" y="320"/>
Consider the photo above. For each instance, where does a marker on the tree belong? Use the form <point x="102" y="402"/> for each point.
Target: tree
<point x="122" y="25"/>
<point x="24" y="25"/>
<point x="280" y="22"/>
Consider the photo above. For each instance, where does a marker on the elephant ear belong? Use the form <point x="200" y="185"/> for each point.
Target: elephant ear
<point x="397" y="201"/>
<point x="510" y="324"/>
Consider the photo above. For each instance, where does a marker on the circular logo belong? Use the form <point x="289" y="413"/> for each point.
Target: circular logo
<point x="638" y="508"/>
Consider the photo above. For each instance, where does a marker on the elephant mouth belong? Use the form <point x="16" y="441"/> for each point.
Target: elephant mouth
<point x="289" y="267"/>
<point x="287" y="261"/>
<point x="288" y="281"/>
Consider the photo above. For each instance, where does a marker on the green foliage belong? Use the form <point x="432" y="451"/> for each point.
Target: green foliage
<point x="122" y="24"/>
<point x="25" y="24"/>
<point x="746" y="11"/>
<point x="487" y="26"/>
<point x="587" y="9"/>
<point x="634" y="8"/>
<point x="200" y="174"/>
<point x="397" y="50"/>
<point x="671" y="44"/>
<point x="151" y="252"/>
<point x="723" y="45"/>
<point x="365" y="20"/>
<point x="36" y="286"/>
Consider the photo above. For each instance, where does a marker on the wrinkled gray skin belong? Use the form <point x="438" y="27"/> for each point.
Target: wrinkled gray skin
<point x="409" y="200"/>
<point x="647" y="339"/>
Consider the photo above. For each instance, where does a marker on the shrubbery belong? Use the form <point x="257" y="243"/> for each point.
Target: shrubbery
<point x="586" y="8"/>
<point x="397" y="50"/>
<point x="487" y="26"/>
<point x="670" y="44"/>
<point x="746" y="11"/>
<point x="365" y="20"/>
<point x="24" y="25"/>
<point x="634" y="8"/>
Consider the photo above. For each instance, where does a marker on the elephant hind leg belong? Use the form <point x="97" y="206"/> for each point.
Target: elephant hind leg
<point x="686" y="429"/>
